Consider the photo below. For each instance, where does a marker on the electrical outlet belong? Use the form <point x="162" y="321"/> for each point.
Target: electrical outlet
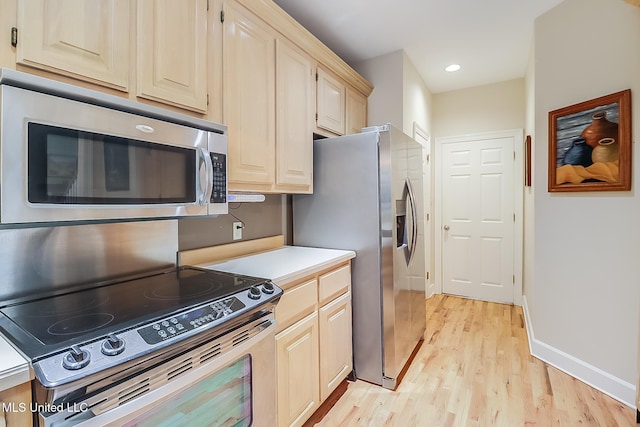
<point x="237" y="230"/>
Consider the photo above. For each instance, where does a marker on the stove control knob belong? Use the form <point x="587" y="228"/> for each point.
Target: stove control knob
<point x="254" y="293"/>
<point x="112" y="345"/>
<point x="76" y="358"/>
<point x="267" y="288"/>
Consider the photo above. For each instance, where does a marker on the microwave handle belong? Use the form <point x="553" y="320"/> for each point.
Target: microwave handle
<point x="205" y="188"/>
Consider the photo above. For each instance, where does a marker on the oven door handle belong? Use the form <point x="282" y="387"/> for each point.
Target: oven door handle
<point x="204" y="177"/>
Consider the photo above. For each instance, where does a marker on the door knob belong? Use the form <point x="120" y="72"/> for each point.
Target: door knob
<point x="446" y="228"/>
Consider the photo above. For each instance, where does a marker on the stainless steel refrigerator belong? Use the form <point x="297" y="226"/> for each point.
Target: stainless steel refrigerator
<point x="368" y="197"/>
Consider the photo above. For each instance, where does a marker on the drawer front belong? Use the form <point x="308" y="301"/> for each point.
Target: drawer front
<point x="334" y="283"/>
<point x="296" y="302"/>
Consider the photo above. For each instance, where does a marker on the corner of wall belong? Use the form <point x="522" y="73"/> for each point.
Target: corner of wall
<point x="385" y="74"/>
<point x="417" y="98"/>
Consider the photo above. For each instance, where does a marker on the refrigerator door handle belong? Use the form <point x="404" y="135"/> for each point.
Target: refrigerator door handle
<point x="414" y="220"/>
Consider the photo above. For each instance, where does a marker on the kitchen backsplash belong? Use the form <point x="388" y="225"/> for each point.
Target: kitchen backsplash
<point x="264" y="219"/>
<point x="46" y="259"/>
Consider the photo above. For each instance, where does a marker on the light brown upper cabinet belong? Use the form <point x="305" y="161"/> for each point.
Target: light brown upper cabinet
<point x="267" y="86"/>
<point x="356" y="111"/>
<point x="164" y="49"/>
<point x="248" y="107"/>
<point x="341" y="110"/>
<point x="86" y="40"/>
<point x="330" y="108"/>
<point x="294" y="127"/>
<point x="244" y="63"/>
<point x="172" y="52"/>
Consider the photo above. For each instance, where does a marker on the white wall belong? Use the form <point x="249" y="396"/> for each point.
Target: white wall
<point x="486" y="108"/>
<point x="400" y="96"/>
<point x="417" y="99"/>
<point x="386" y="101"/>
<point x="584" y="303"/>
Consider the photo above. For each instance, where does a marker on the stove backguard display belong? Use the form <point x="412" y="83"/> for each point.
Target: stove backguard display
<point x="190" y="320"/>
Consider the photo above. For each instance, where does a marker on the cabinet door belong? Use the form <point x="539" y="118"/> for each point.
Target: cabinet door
<point x="335" y="344"/>
<point x="15" y="403"/>
<point x="356" y="111"/>
<point x="294" y="127"/>
<point x="297" y="372"/>
<point x="330" y="106"/>
<point x="87" y="40"/>
<point x="172" y="52"/>
<point x="248" y="97"/>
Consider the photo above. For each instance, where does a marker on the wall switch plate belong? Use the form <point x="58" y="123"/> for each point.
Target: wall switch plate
<point x="237" y="230"/>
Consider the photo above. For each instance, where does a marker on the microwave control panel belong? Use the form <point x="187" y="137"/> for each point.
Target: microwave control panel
<point x="219" y="193"/>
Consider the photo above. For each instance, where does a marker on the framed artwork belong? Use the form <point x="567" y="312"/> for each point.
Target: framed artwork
<point x="590" y="145"/>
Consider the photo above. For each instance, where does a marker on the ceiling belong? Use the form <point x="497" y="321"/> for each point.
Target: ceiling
<point x="490" y="39"/>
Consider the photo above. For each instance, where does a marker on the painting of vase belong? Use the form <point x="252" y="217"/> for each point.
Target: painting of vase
<point x="590" y="145"/>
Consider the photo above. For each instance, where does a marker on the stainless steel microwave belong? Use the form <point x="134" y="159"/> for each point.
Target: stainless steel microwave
<point x="71" y="154"/>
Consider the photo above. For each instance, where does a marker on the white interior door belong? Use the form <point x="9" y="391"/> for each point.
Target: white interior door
<point x="479" y="216"/>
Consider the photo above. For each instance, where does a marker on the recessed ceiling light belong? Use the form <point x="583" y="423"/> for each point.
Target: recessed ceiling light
<point x="451" y="68"/>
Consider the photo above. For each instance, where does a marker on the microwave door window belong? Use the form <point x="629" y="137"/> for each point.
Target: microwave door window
<point x="61" y="166"/>
<point x="68" y="166"/>
<point x="116" y="167"/>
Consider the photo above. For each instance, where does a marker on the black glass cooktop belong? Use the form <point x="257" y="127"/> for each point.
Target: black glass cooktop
<point x="60" y="320"/>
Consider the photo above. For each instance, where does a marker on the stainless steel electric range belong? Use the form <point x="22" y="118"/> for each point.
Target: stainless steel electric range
<point x="124" y="352"/>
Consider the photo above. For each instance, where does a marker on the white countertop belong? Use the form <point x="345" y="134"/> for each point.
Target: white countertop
<point x="285" y="264"/>
<point x="14" y="369"/>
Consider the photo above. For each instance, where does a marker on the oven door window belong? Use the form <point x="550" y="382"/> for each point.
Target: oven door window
<point x="67" y="166"/>
<point x="222" y="399"/>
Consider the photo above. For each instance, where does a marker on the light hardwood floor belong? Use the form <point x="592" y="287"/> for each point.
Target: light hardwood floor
<point x="474" y="369"/>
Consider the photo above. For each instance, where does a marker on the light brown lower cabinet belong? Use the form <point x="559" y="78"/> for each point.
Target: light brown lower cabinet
<point x="15" y="404"/>
<point x="335" y="344"/>
<point x="298" y="373"/>
<point x="313" y="343"/>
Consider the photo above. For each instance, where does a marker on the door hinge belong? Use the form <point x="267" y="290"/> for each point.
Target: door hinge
<point x="514" y="217"/>
<point x="427" y="157"/>
<point x="14" y="36"/>
<point x="514" y="279"/>
<point x="207" y="99"/>
<point x="222" y="16"/>
<point x="428" y="216"/>
<point x="316" y="76"/>
<point x="427" y="275"/>
<point x="207" y="4"/>
<point x="316" y="117"/>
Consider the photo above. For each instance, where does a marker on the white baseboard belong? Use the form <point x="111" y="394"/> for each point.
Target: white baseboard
<point x="579" y="369"/>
